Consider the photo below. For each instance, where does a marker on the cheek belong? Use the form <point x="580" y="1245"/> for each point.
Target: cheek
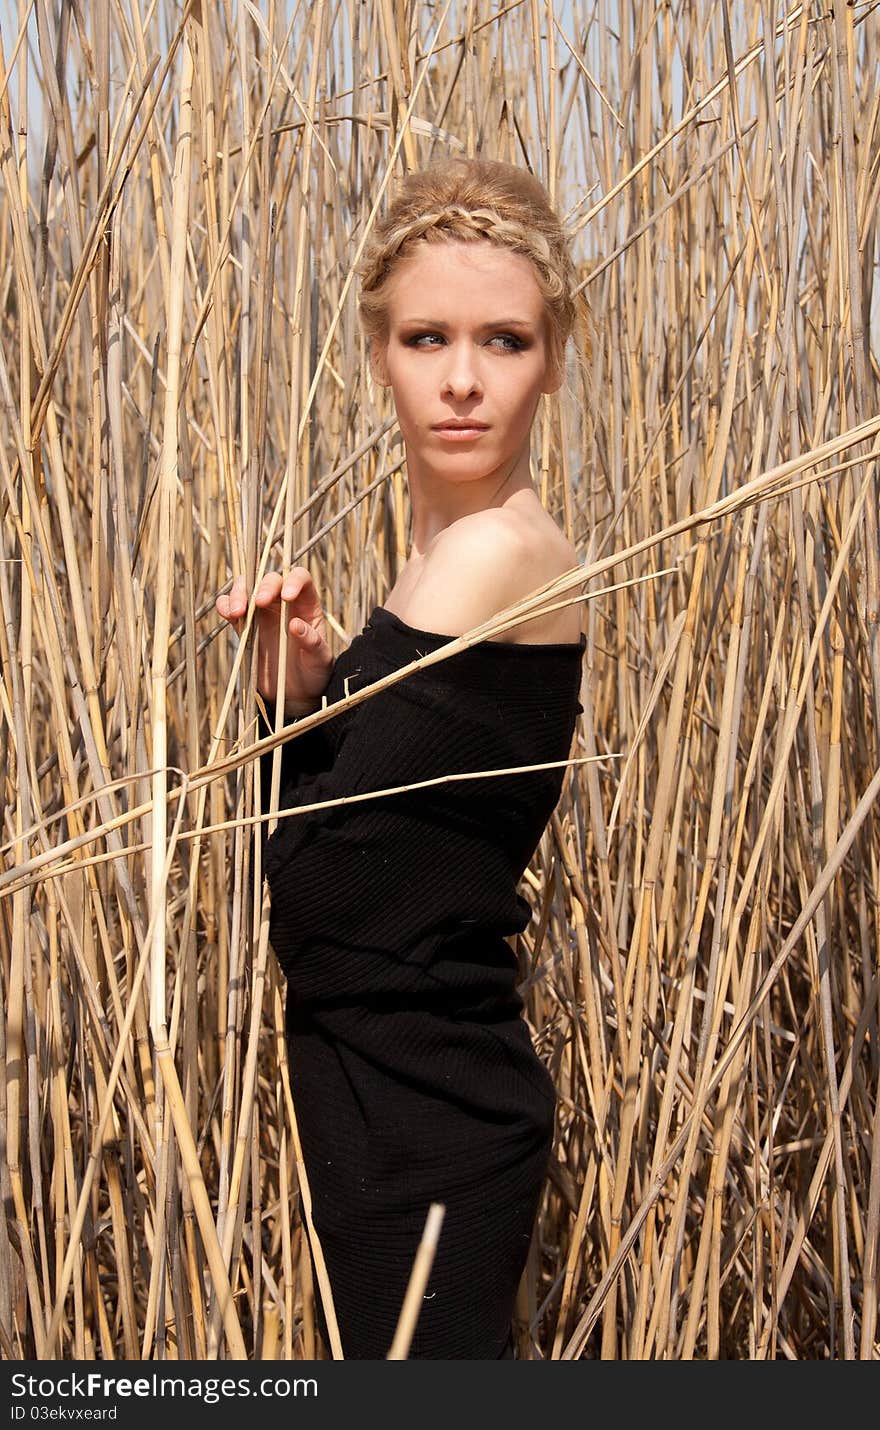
<point x="405" y="378"/>
<point x="406" y="397"/>
<point x="524" y="400"/>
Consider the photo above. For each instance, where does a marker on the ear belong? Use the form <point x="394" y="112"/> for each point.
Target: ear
<point x="378" y="365"/>
<point x="554" y="377"/>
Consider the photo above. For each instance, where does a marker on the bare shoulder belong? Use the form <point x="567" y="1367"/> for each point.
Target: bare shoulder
<point x="488" y="561"/>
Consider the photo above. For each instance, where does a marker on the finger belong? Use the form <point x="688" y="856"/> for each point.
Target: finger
<point x="269" y="589"/>
<point x="295" y="582"/>
<point x="232" y="605"/>
<point x="310" y="640"/>
<point x="238" y="599"/>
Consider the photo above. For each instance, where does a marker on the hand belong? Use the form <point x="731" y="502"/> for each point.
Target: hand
<point x="292" y="599"/>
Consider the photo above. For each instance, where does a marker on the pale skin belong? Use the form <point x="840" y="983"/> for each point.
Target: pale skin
<point x="466" y="341"/>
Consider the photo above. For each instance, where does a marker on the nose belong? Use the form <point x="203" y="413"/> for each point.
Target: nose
<point x="461" y="378"/>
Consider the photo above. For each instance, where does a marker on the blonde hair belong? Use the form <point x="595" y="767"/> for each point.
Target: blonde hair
<point x="473" y="200"/>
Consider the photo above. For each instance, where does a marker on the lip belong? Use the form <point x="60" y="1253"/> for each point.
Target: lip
<point x="460" y="425"/>
<point x="460" y="431"/>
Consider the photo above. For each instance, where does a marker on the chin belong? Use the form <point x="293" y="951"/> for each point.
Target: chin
<point x="460" y="473"/>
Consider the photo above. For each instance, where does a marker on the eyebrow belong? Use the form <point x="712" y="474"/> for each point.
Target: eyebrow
<point x="493" y="323"/>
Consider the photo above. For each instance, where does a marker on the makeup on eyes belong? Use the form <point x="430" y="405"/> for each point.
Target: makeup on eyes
<point x="513" y="342"/>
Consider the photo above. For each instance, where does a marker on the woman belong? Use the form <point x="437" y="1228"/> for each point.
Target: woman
<point x="413" y="1074"/>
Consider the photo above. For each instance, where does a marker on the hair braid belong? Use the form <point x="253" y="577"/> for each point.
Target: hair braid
<point x="469" y="200"/>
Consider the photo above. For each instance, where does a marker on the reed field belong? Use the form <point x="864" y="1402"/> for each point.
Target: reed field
<point x="184" y="396"/>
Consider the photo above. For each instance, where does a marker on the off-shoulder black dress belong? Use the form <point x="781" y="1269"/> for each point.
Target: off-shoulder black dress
<point x="414" y="1076"/>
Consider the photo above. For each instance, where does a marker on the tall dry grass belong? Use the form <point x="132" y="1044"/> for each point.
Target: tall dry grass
<point x="184" y="396"/>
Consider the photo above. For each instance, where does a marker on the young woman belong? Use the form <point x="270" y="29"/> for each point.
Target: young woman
<point x="413" y="1073"/>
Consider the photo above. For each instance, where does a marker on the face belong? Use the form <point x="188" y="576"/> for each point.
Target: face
<point x="466" y="344"/>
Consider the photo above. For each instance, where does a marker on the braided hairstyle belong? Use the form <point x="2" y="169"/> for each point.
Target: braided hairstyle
<point x="474" y="200"/>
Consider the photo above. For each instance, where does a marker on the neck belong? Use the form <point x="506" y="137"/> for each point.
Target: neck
<point x="437" y="502"/>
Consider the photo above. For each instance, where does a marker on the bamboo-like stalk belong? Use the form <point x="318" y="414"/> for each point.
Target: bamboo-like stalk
<point x="418" y="1280"/>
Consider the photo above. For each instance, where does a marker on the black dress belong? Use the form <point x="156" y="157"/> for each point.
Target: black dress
<point x="413" y="1074"/>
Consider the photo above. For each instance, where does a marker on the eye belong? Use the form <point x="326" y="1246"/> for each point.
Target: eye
<point x="510" y="342"/>
<point x="503" y="342"/>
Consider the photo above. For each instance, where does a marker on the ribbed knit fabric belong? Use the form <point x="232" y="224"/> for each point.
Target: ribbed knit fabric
<point x="413" y="1074"/>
